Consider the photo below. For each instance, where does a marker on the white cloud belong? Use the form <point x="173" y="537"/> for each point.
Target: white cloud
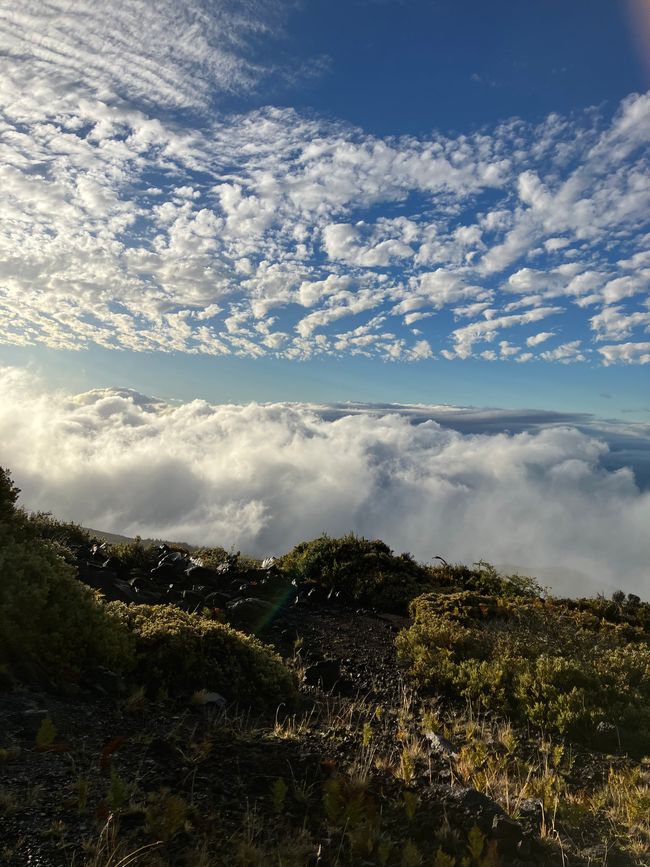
<point x="135" y="217"/>
<point x="628" y="353"/>
<point x="541" y="337"/>
<point x="489" y="327"/>
<point x="566" y="352"/>
<point x="166" y="53"/>
<point x="612" y="323"/>
<point x="261" y="478"/>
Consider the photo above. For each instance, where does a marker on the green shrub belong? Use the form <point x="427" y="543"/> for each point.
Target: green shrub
<point x="177" y="651"/>
<point x="483" y="578"/>
<point x="53" y="625"/>
<point x="363" y="570"/>
<point x="48" y="619"/>
<point x="212" y="557"/>
<point x="549" y="662"/>
<point x="133" y="555"/>
<point x="8" y="497"/>
<point x="49" y="529"/>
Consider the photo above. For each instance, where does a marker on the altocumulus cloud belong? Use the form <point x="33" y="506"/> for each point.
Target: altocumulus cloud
<point x="136" y="215"/>
<point x="262" y="477"/>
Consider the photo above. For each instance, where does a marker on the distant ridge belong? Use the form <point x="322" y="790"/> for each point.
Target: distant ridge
<point x="560" y="580"/>
<point x="117" y="539"/>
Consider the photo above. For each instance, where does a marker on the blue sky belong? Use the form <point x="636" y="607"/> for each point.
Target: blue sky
<point x="382" y="201"/>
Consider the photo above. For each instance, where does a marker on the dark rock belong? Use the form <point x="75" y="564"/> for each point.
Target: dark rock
<point x="31" y="720"/>
<point x="216" y="599"/>
<point x="190" y="601"/>
<point x="106" y="681"/>
<point x="607" y="737"/>
<point x="325" y="674"/>
<point x="440" y="745"/>
<point x="202" y="575"/>
<point x="475" y="808"/>
<point x="531" y="815"/>
<point x="506" y="832"/>
<point x="250" y="613"/>
<point x="289" y="635"/>
<point x="121" y="591"/>
<point x="167" y="572"/>
<point x="209" y="700"/>
<point x="149" y="597"/>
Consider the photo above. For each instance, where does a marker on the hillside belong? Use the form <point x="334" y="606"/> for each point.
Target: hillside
<point x="342" y="705"/>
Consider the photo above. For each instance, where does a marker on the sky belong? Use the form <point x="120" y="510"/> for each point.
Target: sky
<point x="294" y="205"/>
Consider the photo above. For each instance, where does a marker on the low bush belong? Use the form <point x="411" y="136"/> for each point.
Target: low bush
<point x="482" y="577"/>
<point x="180" y="652"/>
<point x="361" y="569"/>
<point x="65" y="533"/>
<point x="547" y="662"/>
<point x="133" y="555"/>
<point x="49" y="622"/>
<point x="52" y="626"/>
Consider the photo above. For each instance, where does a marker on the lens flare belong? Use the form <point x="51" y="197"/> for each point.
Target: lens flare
<point x="638" y="16"/>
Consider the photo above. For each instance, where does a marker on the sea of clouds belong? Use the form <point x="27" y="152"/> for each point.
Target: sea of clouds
<point x="262" y="477"/>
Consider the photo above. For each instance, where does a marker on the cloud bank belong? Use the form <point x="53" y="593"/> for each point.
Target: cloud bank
<point x="262" y="477"/>
<point x="136" y="216"/>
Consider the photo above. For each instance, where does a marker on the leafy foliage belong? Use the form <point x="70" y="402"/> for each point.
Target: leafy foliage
<point x="363" y="570"/>
<point x="549" y="662"/>
<point x="484" y="578"/>
<point x="182" y="652"/>
<point x="49" y="622"/>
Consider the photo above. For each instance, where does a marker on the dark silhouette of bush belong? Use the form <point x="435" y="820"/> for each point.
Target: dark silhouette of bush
<point x="50" y="624"/>
<point x="482" y="577"/>
<point x="360" y="569"/>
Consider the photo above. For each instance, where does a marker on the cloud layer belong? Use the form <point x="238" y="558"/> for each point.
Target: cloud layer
<point x="262" y="477"/>
<point x="134" y="217"/>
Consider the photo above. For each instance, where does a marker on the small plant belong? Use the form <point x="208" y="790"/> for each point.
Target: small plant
<point x="358" y="568"/>
<point x="279" y="791"/>
<point x="118" y="793"/>
<point x="166" y="815"/>
<point x="411" y="855"/>
<point x="46" y="734"/>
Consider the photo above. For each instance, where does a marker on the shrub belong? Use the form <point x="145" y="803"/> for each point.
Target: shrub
<point x="8" y="497"/>
<point x="49" y="529"/>
<point x="213" y="557"/>
<point x="51" y="624"/>
<point x="133" y="555"/>
<point x="483" y="578"/>
<point x="48" y="620"/>
<point x="177" y="651"/>
<point x="363" y="570"/>
<point x="547" y="662"/>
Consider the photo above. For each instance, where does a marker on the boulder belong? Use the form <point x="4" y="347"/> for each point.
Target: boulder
<point x="324" y="674"/>
<point x="251" y="613"/>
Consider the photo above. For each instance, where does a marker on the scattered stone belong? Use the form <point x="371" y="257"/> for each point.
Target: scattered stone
<point x="531" y="815"/>
<point x="250" y="613"/>
<point x="32" y="718"/>
<point x="324" y="674"/>
<point x="507" y="833"/>
<point x="206" y="699"/>
<point x="440" y="744"/>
